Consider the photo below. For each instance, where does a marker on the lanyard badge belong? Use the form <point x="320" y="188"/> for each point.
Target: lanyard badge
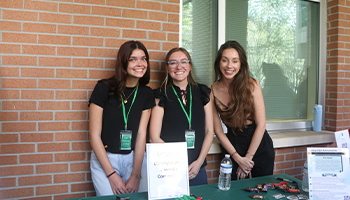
<point x="126" y="135"/>
<point x="190" y="133"/>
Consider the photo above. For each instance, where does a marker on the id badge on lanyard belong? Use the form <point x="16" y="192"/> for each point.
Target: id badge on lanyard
<point x="190" y="138"/>
<point x="125" y="139"/>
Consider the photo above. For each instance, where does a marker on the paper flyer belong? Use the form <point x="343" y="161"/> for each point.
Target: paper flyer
<point x="342" y="139"/>
<point x="167" y="170"/>
<point x="328" y="173"/>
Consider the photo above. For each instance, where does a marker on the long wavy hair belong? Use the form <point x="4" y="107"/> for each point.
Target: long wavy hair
<point x="241" y="103"/>
<point x="168" y="80"/>
<point x="117" y="82"/>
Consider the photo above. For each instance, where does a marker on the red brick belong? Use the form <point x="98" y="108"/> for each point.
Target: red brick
<point x="70" y="196"/>
<point x="89" y="63"/>
<point x="157" y="55"/>
<point x="36" y="116"/>
<point x="153" y="35"/>
<point x="38" y="27"/>
<point x="173" y="37"/>
<point x="37" y="72"/>
<point x="38" y="49"/>
<point x="16" y="170"/>
<point x="34" y="180"/>
<point x="171" y="8"/>
<point x="10" y="26"/>
<point x="149" y="5"/>
<point x="37" y="94"/>
<point x="99" y="2"/>
<point x="134" y="14"/>
<point x="41" y="5"/>
<point x="88" y="20"/>
<point x="52" y="189"/>
<point x="72" y="51"/>
<point x="80" y="166"/>
<point x="171" y="27"/>
<point x="54" y="84"/>
<point x="284" y="165"/>
<point x="19" y="60"/>
<point x="19" y="127"/>
<point x="99" y="74"/>
<point x="109" y="11"/>
<point x="123" y="23"/>
<point x="148" y="25"/>
<point x="41" y="197"/>
<point x="64" y="157"/>
<point x="294" y="156"/>
<point x="16" y="193"/>
<point x="71" y="73"/>
<point x="8" y="116"/>
<point x="11" y="3"/>
<point x="100" y="52"/>
<point x="157" y="75"/>
<point x="160" y="16"/>
<point x="111" y="64"/>
<point x="55" y="61"/>
<point x="55" y="18"/>
<point x="87" y="41"/>
<point x="74" y="8"/>
<point x="17" y="148"/>
<point x="18" y="83"/>
<point x="71" y="136"/>
<point x="71" y="95"/>
<point x="82" y="187"/>
<point x="9" y="71"/>
<point x="36" y="158"/>
<point x="8" y="138"/>
<point x="83" y="84"/>
<point x="81" y="146"/>
<point x="7" y="182"/>
<point x="54" y="105"/>
<point x="8" y="160"/>
<point x="167" y="45"/>
<point x="293" y="171"/>
<point x="73" y="30"/>
<point x="134" y="34"/>
<point x="68" y="178"/>
<point x="10" y="48"/>
<point x="54" y="39"/>
<point x="53" y="126"/>
<point x="80" y="105"/>
<point x="51" y="168"/>
<point x="70" y="116"/>
<point x="52" y="147"/>
<point x="114" y="42"/>
<point x="107" y="32"/>
<point x="36" y="137"/>
<point x="279" y="158"/>
<point x="173" y="18"/>
<point x="125" y="3"/>
<point x="285" y="150"/>
<point x="80" y="125"/>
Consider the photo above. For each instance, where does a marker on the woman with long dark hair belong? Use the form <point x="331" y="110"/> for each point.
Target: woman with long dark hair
<point x="184" y="113"/>
<point x="239" y="103"/>
<point x="118" y="118"/>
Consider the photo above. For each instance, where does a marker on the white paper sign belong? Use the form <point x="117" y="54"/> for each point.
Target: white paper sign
<point x="342" y="139"/>
<point x="167" y="170"/>
<point x="329" y="173"/>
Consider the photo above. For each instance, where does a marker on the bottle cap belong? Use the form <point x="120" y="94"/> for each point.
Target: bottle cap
<point x="227" y="155"/>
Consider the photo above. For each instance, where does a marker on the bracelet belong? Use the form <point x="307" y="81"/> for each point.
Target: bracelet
<point x="138" y="176"/>
<point x="111" y="174"/>
<point x="250" y="153"/>
<point x="233" y="154"/>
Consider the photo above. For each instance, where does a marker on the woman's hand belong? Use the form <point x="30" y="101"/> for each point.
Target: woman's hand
<point x="193" y="169"/>
<point x="132" y="184"/>
<point x="240" y="174"/>
<point x="117" y="184"/>
<point x="245" y="164"/>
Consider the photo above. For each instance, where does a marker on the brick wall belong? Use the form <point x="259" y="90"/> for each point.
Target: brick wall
<point x="52" y="53"/>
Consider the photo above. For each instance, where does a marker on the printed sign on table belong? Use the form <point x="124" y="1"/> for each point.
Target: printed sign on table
<point x="342" y="139"/>
<point x="167" y="170"/>
<point x="328" y="173"/>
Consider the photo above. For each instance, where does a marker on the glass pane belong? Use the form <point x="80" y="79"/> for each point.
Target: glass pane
<point x="199" y="37"/>
<point x="281" y="39"/>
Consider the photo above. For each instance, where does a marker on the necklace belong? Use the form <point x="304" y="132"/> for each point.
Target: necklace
<point x="126" y="99"/>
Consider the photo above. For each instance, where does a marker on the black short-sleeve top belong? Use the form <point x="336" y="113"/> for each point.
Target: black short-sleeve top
<point x="113" y="120"/>
<point x="175" y="122"/>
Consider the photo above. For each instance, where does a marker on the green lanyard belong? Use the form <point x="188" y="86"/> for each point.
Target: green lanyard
<point x="126" y="116"/>
<point x="188" y="117"/>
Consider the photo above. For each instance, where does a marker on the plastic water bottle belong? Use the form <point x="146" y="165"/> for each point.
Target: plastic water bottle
<point x="317" y="110"/>
<point x="225" y="173"/>
<point x="305" y="178"/>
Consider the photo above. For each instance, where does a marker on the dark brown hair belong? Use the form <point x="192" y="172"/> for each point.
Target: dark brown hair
<point x="117" y="82"/>
<point x="241" y="103"/>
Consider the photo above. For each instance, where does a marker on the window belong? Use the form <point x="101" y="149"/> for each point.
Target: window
<point x="282" y="41"/>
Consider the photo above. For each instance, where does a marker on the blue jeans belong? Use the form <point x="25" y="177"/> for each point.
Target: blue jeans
<point x="201" y="178"/>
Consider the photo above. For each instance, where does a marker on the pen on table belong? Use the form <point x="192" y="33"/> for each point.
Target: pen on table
<point x="284" y="179"/>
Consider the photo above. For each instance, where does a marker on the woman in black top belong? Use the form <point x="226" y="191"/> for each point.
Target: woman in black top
<point x="184" y="113"/>
<point x="119" y="114"/>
